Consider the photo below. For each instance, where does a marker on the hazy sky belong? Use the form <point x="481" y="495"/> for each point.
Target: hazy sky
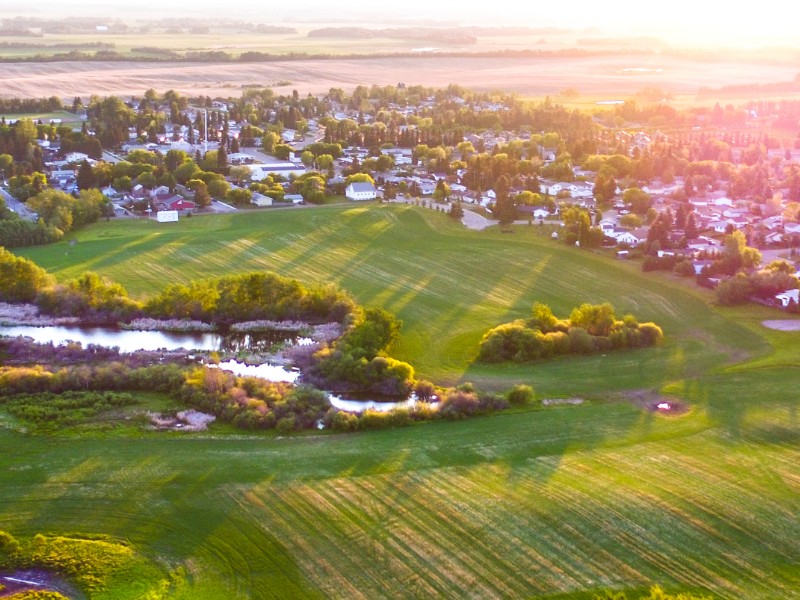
<point x="766" y="22"/>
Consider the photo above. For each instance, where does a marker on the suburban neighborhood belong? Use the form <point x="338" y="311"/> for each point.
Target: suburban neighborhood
<point x="673" y="196"/>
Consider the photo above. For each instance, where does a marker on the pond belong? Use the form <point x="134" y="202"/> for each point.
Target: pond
<point x="279" y="373"/>
<point x="131" y="341"/>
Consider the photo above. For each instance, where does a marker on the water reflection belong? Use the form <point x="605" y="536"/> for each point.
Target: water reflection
<point x="131" y="341"/>
<point x="265" y="371"/>
<point x="356" y="405"/>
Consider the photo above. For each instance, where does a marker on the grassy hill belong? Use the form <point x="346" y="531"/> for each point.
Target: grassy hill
<point x="550" y="503"/>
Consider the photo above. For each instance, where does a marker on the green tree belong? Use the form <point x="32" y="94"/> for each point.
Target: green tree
<point x="596" y="319"/>
<point x="639" y="200"/>
<point x="605" y="186"/>
<point x="631" y="221"/>
<point x="201" y="196"/>
<point x="269" y="141"/>
<point x="218" y="188"/>
<point x="174" y="159"/>
<point x="86" y="178"/>
<point x="311" y="186"/>
<point x="240" y="174"/>
<point x="307" y="158"/>
<point x="20" y="279"/>
<point x="442" y="191"/>
<point x="88" y="207"/>
<point x="239" y="197"/>
<point x="359" y="178"/>
<point x="505" y="211"/>
<point x="54" y="208"/>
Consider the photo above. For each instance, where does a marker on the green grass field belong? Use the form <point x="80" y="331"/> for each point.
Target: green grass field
<point x="552" y="503"/>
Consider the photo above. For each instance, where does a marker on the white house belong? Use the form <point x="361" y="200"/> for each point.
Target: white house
<point x="576" y="190"/>
<point x="77" y="157"/>
<point x="623" y="236"/>
<point x="361" y="190"/>
<point x="260" y="172"/>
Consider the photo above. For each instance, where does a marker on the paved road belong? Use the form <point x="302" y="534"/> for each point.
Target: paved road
<point x="17" y="206"/>
<point x="221" y="207"/>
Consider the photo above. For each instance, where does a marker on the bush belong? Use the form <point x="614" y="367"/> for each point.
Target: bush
<point x="458" y="404"/>
<point x="285" y="425"/>
<point x="8" y="543"/>
<point x="684" y="268"/>
<point x="580" y="342"/>
<point x="520" y="395"/>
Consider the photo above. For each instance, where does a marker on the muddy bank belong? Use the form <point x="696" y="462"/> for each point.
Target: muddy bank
<point x="28" y="314"/>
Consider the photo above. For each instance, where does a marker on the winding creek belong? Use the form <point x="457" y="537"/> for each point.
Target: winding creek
<point x="129" y="341"/>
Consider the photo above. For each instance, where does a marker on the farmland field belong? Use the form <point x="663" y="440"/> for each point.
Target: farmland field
<point x="595" y="78"/>
<point x="556" y="502"/>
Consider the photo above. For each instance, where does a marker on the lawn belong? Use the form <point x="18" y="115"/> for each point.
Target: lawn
<point x="557" y="502"/>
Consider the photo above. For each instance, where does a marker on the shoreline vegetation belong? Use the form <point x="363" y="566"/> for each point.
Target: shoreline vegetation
<point x="348" y="353"/>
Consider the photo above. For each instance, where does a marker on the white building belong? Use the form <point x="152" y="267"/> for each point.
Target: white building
<point x="261" y="200"/>
<point x="361" y="190"/>
<point x="260" y="172"/>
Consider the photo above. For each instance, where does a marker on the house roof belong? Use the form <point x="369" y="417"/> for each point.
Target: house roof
<point x="362" y="186"/>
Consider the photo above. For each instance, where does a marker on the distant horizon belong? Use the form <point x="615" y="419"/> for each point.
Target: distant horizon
<point x="687" y="24"/>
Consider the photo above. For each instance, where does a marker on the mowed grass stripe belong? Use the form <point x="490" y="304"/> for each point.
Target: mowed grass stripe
<point x="714" y="550"/>
<point x="472" y="572"/>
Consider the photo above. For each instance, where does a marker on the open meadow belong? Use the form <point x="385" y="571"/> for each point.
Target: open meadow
<point x="551" y="502"/>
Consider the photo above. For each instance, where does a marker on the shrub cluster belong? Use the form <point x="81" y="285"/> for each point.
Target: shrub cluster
<point x="250" y="297"/>
<point x="89" y="297"/>
<point x="253" y="403"/>
<point x="590" y="328"/>
<point x="113" y="376"/>
<point x="763" y="284"/>
<point x="49" y="410"/>
<point x="456" y="403"/>
<point x="355" y="363"/>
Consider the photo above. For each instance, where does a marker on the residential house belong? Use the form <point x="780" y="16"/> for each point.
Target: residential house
<point x="623" y="236"/>
<point x="259" y="172"/>
<point x="173" y="202"/>
<point x="537" y="212"/>
<point x="78" y="157"/>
